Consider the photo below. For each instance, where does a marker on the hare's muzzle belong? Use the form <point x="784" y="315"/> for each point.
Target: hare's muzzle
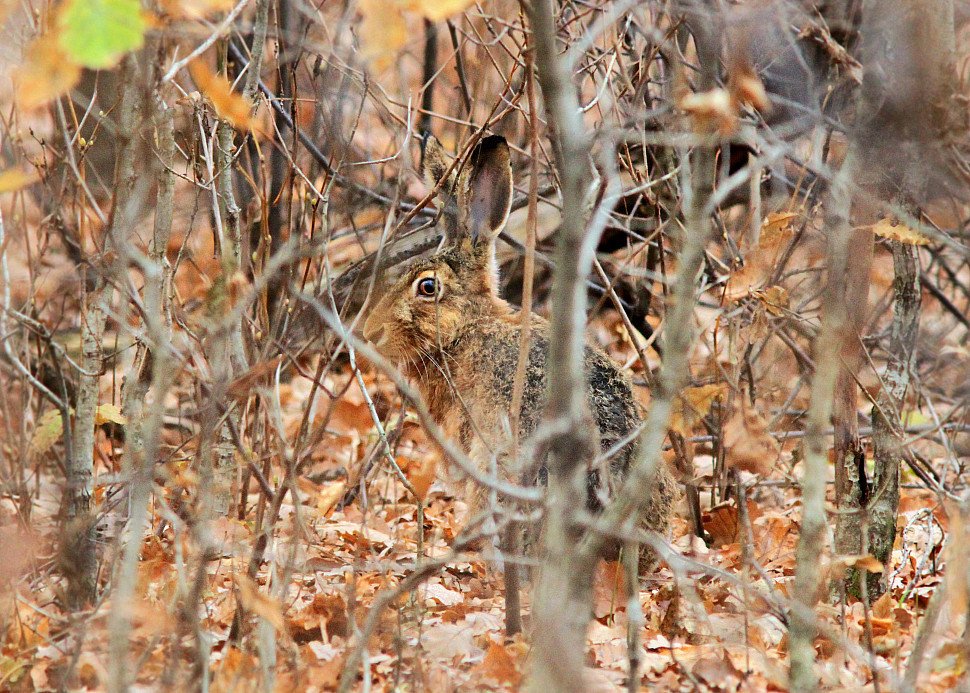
<point x="374" y="332"/>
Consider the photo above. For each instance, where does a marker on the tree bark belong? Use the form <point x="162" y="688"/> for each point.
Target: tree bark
<point x="564" y="590"/>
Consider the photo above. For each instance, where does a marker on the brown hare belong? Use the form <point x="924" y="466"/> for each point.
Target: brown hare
<point x="442" y="320"/>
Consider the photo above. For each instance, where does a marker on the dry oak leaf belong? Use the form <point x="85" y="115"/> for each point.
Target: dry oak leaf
<point x="776" y="231"/>
<point x="231" y="106"/>
<point x="775" y="299"/>
<point x="896" y="230"/>
<point x="748" y="444"/>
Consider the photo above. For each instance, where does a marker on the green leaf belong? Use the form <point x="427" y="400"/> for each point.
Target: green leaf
<point x="98" y="33"/>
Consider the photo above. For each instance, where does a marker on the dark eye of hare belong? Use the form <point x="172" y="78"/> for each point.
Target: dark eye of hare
<point x="427" y="287"/>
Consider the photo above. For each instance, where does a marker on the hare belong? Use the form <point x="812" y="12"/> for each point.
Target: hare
<point x="443" y="321"/>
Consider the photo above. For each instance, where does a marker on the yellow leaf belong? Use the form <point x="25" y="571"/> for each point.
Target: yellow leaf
<point x="109" y="413"/>
<point x="330" y="496"/>
<point x="49" y="428"/>
<point x="437" y="10"/>
<point x="260" y="603"/>
<point x="383" y="32"/>
<point x="46" y="73"/>
<point x="692" y="405"/>
<point x="897" y="231"/>
<point x="13" y="179"/>
<point x="231" y="106"/>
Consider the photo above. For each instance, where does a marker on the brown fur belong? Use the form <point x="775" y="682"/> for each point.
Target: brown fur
<point x="461" y="347"/>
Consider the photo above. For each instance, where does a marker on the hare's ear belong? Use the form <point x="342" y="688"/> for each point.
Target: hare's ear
<point x="487" y="194"/>
<point x="434" y="165"/>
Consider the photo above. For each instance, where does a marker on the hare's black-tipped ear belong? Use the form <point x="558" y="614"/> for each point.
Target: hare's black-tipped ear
<point x="487" y="197"/>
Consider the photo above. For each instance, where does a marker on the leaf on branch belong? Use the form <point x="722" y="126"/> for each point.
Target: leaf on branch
<point x="46" y="73"/>
<point x="383" y="32"/>
<point x="775" y="299"/>
<point x="866" y="562"/>
<point x="776" y="232"/>
<point x="49" y="429"/>
<point x="98" y="33"/>
<point x="748" y="444"/>
<point x="230" y="106"/>
<point x="421" y="473"/>
<point x="109" y="413"/>
<point x="692" y="405"/>
<point x="896" y="230"/>
<point x="383" y="28"/>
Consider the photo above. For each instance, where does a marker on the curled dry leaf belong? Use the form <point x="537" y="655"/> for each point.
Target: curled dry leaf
<point x="330" y="496"/>
<point x="229" y="105"/>
<point x="722" y="524"/>
<point x="748" y="444"/>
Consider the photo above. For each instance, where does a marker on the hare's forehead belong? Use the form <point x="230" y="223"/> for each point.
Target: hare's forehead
<point x="433" y="266"/>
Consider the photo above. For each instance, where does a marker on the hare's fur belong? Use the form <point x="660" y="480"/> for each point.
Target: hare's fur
<point x="461" y="346"/>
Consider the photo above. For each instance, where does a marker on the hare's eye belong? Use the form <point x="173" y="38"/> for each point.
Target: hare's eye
<point x="426" y="287"/>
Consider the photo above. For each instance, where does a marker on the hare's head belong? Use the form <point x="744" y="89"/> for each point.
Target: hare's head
<point x="426" y="306"/>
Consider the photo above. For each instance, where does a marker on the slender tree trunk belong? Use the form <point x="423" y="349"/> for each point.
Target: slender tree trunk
<point x="564" y="590"/>
<point x="831" y="336"/>
<point x="886" y="421"/>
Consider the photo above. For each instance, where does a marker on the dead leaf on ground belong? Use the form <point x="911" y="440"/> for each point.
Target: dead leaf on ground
<point x="500" y="666"/>
<point x="260" y="603"/>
